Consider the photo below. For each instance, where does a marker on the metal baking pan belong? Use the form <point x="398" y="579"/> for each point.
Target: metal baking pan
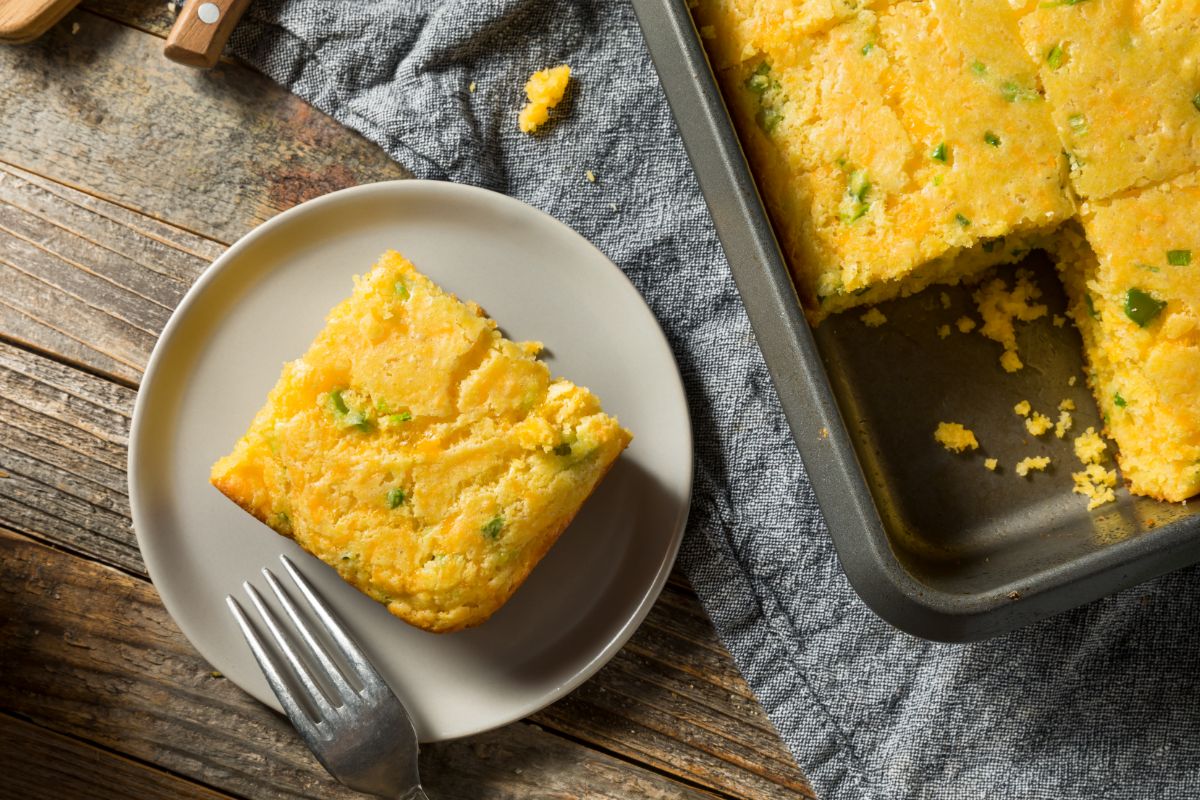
<point x="932" y="542"/>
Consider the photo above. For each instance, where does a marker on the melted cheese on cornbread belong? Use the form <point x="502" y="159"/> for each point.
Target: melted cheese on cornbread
<point x="428" y="459"/>
<point x="1123" y="78"/>
<point x="896" y="148"/>
<point x="1136" y="299"/>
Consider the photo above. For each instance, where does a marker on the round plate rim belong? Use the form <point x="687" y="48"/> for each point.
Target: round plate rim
<point x="163" y="345"/>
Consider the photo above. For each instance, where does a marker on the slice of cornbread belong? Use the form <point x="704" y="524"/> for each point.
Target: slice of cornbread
<point x="1135" y="296"/>
<point x="428" y="459"/>
<point x="1122" y="78"/>
<point x="900" y="148"/>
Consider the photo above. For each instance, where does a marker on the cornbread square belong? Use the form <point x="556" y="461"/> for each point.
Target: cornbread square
<point x="1123" y="78"/>
<point x="1135" y="296"/>
<point x="428" y="459"/>
<point x="900" y="148"/>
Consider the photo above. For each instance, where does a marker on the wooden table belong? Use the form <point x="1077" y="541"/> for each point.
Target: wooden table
<point x="122" y="176"/>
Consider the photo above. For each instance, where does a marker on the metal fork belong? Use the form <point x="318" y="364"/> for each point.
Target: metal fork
<point x="362" y="734"/>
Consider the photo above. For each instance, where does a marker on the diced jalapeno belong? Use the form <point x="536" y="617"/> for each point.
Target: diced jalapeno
<point x="867" y="48"/>
<point x="336" y="403"/>
<point x="1142" y="307"/>
<point x="1091" y="306"/>
<point x="562" y="449"/>
<point x="396" y="419"/>
<point x="1196" y="101"/>
<point x="492" y="528"/>
<point x="854" y="204"/>
<point x="395" y="497"/>
<point x="759" y="82"/>
<point x="990" y="245"/>
<point x="344" y="416"/>
<point x="1118" y="401"/>
<point x="1179" y="258"/>
<point x="1013" y="91"/>
<point x="768" y="119"/>
<point x="1078" y="123"/>
<point x="1054" y="57"/>
<point x="402" y="290"/>
<point x="939" y="153"/>
<point x="978" y="68"/>
<point x="991" y="139"/>
<point x="961" y="220"/>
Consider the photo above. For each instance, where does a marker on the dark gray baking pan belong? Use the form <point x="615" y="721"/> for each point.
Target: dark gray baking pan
<point x="933" y="542"/>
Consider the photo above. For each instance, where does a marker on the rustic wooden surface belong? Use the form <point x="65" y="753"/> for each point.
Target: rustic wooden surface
<point x="122" y="175"/>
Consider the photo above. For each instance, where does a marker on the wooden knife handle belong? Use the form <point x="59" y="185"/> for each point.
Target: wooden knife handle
<point x="201" y="31"/>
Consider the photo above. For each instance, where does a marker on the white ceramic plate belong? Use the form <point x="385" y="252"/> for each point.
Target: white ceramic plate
<point x="261" y="303"/>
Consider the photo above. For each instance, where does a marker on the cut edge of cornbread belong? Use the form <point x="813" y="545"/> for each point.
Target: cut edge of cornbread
<point x="1122" y="358"/>
<point x="434" y="495"/>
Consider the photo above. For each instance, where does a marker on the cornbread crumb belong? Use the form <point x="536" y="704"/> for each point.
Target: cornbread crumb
<point x="1001" y="307"/>
<point x="471" y="87"/>
<point x="1010" y="361"/>
<point x="991" y="463"/>
<point x="1058" y="320"/>
<point x="965" y="324"/>
<point x="591" y="176"/>
<point x="708" y="32"/>
<point x="873" y="318"/>
<point x="1094" y="481"/>
<point x="943" y="331"/>
<point x="954" y="437"/>
<point x="945" y="298"/>
<point x="823" y="433"/>
<point x="1071" y="381"/>
<point x="1022" y="408"/>
<point x="545" y="90"/>
<point x="1066" y="405"/>
<point x="1038" y="424"/>
<point x="1090" y="447"/>
<point x="1065" y="421"/>
<point x="1032" y="464"/>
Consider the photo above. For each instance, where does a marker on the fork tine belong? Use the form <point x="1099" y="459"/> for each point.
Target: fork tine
<point x="271" y="669"/>
<point x="316" y="694"/>
<point x="332" y="672"/>
<point x="346" y="646"/>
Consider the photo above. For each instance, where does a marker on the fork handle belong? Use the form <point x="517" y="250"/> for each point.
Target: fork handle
<point x="201" y="31"/>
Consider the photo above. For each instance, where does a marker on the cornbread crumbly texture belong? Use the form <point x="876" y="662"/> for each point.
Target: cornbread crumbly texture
<point x="899" y="146"/>
<point x="954" y="437"/>
<point x="1032" y="464"/>
<point x="873" y="318"/>
<point x="1135" y="297"/>
<point x="1001" y="307"/>
<point x="1094" y="481"/>
<point x="1037" y="424"/>
<point x="991" y="463"/>
<point x="428" y="459"/>
<point x="545" y="90"/>
<point x="1121" y="80"/>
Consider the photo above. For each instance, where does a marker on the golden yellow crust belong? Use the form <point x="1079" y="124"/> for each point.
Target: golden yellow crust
<point x="429" y="460"/>
<point x="1136" y="300"/>
<point x="896" y="147"/>
<point x="1121" y="79"/>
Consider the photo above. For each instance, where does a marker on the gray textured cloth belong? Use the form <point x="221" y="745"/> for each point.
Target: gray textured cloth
<point x="1098" y="703"/>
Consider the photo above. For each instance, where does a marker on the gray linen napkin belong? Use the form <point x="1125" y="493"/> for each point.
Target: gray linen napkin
<point x="1098" y="703"/>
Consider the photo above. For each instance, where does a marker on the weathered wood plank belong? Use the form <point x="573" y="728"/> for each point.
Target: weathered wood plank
<point x="38" y="764"/>
<point x="91" y="652"/>
<point x="215" y="151"/>
<point x="87" y="279"/>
